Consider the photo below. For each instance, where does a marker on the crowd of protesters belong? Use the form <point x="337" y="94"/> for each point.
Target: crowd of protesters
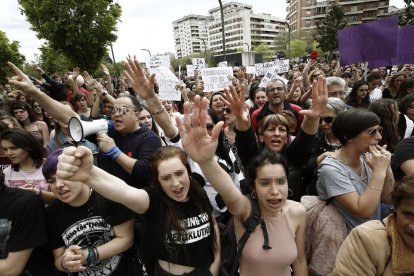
<point x="325" y="151"/>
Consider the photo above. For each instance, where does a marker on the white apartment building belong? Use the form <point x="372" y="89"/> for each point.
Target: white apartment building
<point x="189" y="33"/>
<point x="243" y="29"/>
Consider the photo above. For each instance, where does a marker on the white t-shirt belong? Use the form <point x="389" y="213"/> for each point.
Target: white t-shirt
<point x="375" y="95"/>
<point x="17" y="179"/>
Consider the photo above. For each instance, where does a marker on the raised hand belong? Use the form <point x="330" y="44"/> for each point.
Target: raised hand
<point x="196" y="141"/>
<point x="135" y="75"/>
<point x="238" y="107"/>
<point x="319" y="99"/>
<point x="104" y="69"/>
<point x="22" y="82"/>
<point x="38" y="69"/>
<point x="75" y="164"/>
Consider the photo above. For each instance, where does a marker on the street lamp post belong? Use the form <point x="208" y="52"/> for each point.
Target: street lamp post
<point x="147" y="51"/>
<point x="222" y="30"/>
<point x="248" y="51"/>
<point x="288" y="38"/>
<point x="116" y="69"/>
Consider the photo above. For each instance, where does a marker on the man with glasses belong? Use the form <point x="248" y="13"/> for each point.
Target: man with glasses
<point x="125" y="151"/>
<point x="276" y="93"/>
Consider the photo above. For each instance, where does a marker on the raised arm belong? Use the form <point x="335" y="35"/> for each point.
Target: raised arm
<point x="145" y="88"/>
<point x="76" y="164"/>
<point x="201" y="148"/>
<point x="58" y="110"/>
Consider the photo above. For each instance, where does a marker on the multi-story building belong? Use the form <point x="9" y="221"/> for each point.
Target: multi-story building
<point x="190" y="34"/>
<point x="243" y="29"/>
<point x="303" y="14"/>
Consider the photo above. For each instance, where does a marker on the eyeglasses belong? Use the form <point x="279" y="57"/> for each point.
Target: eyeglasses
<point x="373" y="132"/>
<point x="209" y="126"/>
<point x="121" y="110"/>
<point x="226" y="109"/>
<point x="327" y="120"/>
<point x="278" y="89"/>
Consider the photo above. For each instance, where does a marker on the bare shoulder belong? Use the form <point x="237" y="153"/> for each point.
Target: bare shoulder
<point x="295" y="212"/>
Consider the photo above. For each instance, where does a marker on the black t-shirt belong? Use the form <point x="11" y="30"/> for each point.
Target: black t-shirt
<point x="26" y="212"/>
<point x="403" y="152"/>
<point x="190" y="249"/>
<point x="90" y="225"/>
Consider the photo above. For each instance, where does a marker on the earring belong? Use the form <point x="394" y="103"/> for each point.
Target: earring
<point x="290" y="193"/>
<point x="253" y="195"/>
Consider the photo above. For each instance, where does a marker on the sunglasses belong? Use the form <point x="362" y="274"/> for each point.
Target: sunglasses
<point x="327" y="120"/>
<point x="121" y="110"/>
<point x="226" y="109"/>
<point x="374" y="131"/>
<point x="209" y="126"/>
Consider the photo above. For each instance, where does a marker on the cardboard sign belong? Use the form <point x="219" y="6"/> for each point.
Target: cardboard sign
<point x="167" y="82"/>
<point x="190" y="70"/>
<point x="155" y="62"/>
<point x="270" y="75"/>
<point x="199" y="63"/>
<point x="282" y="65"/>
<point x="251" y="70"/>
<point x="216" y="78"/>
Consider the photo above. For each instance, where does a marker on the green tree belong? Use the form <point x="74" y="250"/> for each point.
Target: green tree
<point x="327" y="28"/>
<point x="407" y="16"/>
<point x="265" y="50"/>
<point x="281" y="42"/>
<point x="54" y="61"/>
<point x="297" y="48"/>
<point x="81" y="30"/>
<point x="9" y="51"/>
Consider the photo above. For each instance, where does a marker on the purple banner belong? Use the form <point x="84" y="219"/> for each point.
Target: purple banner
<point x="369" y="41"/>
<point x="405" y="49"/>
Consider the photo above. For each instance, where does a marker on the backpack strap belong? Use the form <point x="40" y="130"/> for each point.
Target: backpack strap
<point x="250" y="225"/>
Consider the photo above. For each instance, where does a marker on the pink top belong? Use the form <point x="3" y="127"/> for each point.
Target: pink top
<point x="16" y="179"/>
<point x="255" y="261"/>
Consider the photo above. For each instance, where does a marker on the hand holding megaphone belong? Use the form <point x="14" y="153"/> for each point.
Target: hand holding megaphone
<point x="105" y="143"/>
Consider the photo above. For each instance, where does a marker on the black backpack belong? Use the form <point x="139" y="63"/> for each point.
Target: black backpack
<point x="231" y="249"/>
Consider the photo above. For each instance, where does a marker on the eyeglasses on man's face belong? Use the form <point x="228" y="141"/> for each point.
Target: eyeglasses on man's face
<point x="274" y="89"/>
<point x="119" y="110"/>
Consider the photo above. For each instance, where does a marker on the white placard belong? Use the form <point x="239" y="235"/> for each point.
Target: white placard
<point x="262" y="68"/>
<point x="271" y="74"/>
<point x="199" y="63"/>
<point x="222" y="64"/>
<point x="167" y="82"/>
<point x="216" y="78"/>
<point x="282" y="65"/>
<point x="155" y="62"/>
<point x="251" y="70"/>
<point x="190" y="70"/>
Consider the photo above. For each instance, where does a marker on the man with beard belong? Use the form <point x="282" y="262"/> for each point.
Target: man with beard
<point x="276" y="93"/>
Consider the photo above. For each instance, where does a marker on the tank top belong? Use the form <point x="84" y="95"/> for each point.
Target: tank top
<point x="37" y="134"/>
<point x="255" y="261"/>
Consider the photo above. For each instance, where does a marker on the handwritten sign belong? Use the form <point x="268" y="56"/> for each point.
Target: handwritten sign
<point x="282" y="65"/>
<point x="155" y="62"/>
<point x="251" y="70"/>
<point x="271" y="74"/>
<point x="262" y="68"/>
<point x="190" y="70"/>
<point x="199" y="63"/>
<point x="216" y="78"/>
<point x="167" y="82"/>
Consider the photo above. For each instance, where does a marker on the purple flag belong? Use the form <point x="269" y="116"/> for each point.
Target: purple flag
<point x="369" y="41"/>
<point x="405" y="49"/>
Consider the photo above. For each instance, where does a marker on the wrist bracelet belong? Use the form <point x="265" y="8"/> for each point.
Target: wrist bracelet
<point x="375" y="188"/>
<point x="61" y="264"/>
<point x="91" y="256"/>
<point x="96" y="252"/>
<point x="156" y="113"/>
<point x="113" y="153"/>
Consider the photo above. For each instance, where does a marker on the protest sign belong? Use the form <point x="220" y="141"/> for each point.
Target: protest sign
<point x="251" y="70"/>
<point x="216" y="78"/>
<point x="154" y="62"/>
<point x="190" y="70"/>
<point x="199" y="63"/>
<point x="262" y="68"/>
<point x="281" y="65"/>
<point x="167" y="83"/>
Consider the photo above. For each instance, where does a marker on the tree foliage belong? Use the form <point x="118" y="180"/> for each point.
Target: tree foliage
<point x="54" y="61"/>
<point x="327" y="28"/>
<point x="297" y="48"/>
<point x="265" y="50"/>
<point x="81" y="30"/>
<point x="407" y="16"/>
<point x="281" y="42"/>
<point x="9" y="51"/>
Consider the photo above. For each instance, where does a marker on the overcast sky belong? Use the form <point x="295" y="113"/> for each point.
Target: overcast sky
<point x="144" y="24"/>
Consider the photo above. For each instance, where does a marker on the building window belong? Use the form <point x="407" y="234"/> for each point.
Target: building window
<point x="307" y="23"/>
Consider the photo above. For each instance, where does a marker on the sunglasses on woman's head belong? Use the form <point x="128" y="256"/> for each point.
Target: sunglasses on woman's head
<point x="327" y="119"/>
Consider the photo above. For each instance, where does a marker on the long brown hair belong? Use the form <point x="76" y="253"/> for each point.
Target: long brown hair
<point x="196" y="195"/>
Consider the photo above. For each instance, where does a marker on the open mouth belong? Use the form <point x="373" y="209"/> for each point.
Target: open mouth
<point x="275" y="203"/>
<point x="178" y="192"/>
<point x="276" y="142"/>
